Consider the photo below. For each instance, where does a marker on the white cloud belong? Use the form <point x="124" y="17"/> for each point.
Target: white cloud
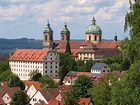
<point x="12" y="13"/>
<point x="72" y="9"/>
<point x="118" y="5"/>
<point x="45" y="11"/>
<point x="103" y="15"/>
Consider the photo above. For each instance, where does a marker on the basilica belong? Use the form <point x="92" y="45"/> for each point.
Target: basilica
<point x="92" y="47"/>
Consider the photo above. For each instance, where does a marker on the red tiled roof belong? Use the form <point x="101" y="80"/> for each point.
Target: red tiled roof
<point x="55" y="102"/>
<point x="89" y="46"/>
<point x="36" y="84"/>
<point x="75" y="76"/>
<point x="108" y="44"/>
<point x="29" y="54"/>
<point x="85" y="101"/>
<point x="5" y="83"/>
<point x="49" y="93"/>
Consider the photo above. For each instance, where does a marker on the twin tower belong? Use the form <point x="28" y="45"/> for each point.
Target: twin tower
<point x="93" y="34"/>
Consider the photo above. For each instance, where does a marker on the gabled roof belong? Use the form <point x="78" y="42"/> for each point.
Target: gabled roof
<point x="29" y="54"/>
<point x="85" y="101"/>
<point x="5" y="83"/>
<point x="36" y="84"/>
<point x="10" y="91"/>
<point x="98" y="66"/>
<point x="55" y="102"/>
<point x="49" y="93"/>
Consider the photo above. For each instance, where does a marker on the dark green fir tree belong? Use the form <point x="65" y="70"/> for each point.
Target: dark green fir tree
<point x="68" y="50"/>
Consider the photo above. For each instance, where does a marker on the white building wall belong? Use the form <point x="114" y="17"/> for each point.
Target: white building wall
<point x="38" y="96"/>
<point x="24" y="68"/>
<point x="31" y="91"/>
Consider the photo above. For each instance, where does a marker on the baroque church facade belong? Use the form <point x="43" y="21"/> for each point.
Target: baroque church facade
<point x="92" y="47"/>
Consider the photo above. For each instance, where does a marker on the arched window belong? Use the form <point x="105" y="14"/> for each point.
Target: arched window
<point x="95" y="38"/>
<point x="45" y="37"/>
<point x="89" y="37"/>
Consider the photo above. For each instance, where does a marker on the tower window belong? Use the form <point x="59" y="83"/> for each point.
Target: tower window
<point x="95" y="38"/>
<point x="45" y="37"/>
<point x="89" y="37"/>
<point x="62" y="37"/>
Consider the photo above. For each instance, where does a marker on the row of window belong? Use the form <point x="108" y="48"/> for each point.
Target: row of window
<point x="50" y="59"/>
<point x="20" y="70"/>
<point x="51" y="71"/>
<point x="50" y="63"/>
<point x="26" y="66"/>
<point x="50" y="67"/>
<point x="24" y="62"/>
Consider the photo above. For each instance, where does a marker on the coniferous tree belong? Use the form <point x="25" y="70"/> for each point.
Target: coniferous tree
<point x="68" y="50"/>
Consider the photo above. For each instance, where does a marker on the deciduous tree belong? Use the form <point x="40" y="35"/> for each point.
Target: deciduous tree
<point x="19" y="98"/>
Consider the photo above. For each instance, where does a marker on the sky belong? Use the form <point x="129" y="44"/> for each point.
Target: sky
<point x="28" y="18"/>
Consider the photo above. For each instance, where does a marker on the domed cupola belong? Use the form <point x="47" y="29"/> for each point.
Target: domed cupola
<point x="93" y="28"/>
<point x="48" y="28"/>
<point x="65" y="33"/>
<point x="65" y="29"/>
<point x="93" y="32"/>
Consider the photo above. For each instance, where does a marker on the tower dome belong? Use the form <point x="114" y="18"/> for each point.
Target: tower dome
<point x="48" y="28"/>
<point x="93" y="28"/>
<point x="65" y="29"/>
<point x="65" y="33"/>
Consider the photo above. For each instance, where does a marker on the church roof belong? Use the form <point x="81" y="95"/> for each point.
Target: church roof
<point x="29" y="54"/>
<point x="48" y="28"/>
<point x="103" y="46"/>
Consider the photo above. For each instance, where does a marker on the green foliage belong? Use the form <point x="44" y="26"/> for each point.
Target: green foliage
<point x="16" y="82"/>
<point x="81" y="86"/>
<point x="71" y="98"/>
<point x="19" y="98"/>
<point x="67" y="63"/>
<point x="47" y="82"/>
<point x="80" y="65"/>
<point x="68" y="50"/>
<point x="88" y="65"/>
<point x="101" y="93"/>
<point x="5" y="72"/>
<point x="131" y="48"/>
<point x="126" y="91"/>
<point x="117" y="62"/>
<point x="35" y="76"/>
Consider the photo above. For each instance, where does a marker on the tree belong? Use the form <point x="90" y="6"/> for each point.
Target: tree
<point x="19" y="98"/>
<point x="67" y="63"/>
<point x="68" y="50"/>
<point x="81" y="86"/>
<point x="47" y="82"/>
<point x="70" y="98"/>
<point x="88" y="65"/>
<point x="16" y="82"/>
<point x="131" y="48"/>
<point x="35" y="76"/>
<point x="80" y="65"/>
<point x="126" y="91"/>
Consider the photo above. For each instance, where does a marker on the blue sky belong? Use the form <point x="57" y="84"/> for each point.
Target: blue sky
<point x="28" y="18"/>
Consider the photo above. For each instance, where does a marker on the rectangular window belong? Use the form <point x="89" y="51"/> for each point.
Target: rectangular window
<point x="51" y="67"/>
<point x="56" y="71"/>
<point x="50" y="71"/>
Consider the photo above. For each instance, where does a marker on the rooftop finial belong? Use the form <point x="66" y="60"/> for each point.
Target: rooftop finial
<point x="65" y="25"/>
<point x="93" y="21"/>
<point x="48" y="24"/>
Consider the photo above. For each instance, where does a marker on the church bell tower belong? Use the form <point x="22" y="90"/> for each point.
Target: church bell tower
<point x="47" y="37"/>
